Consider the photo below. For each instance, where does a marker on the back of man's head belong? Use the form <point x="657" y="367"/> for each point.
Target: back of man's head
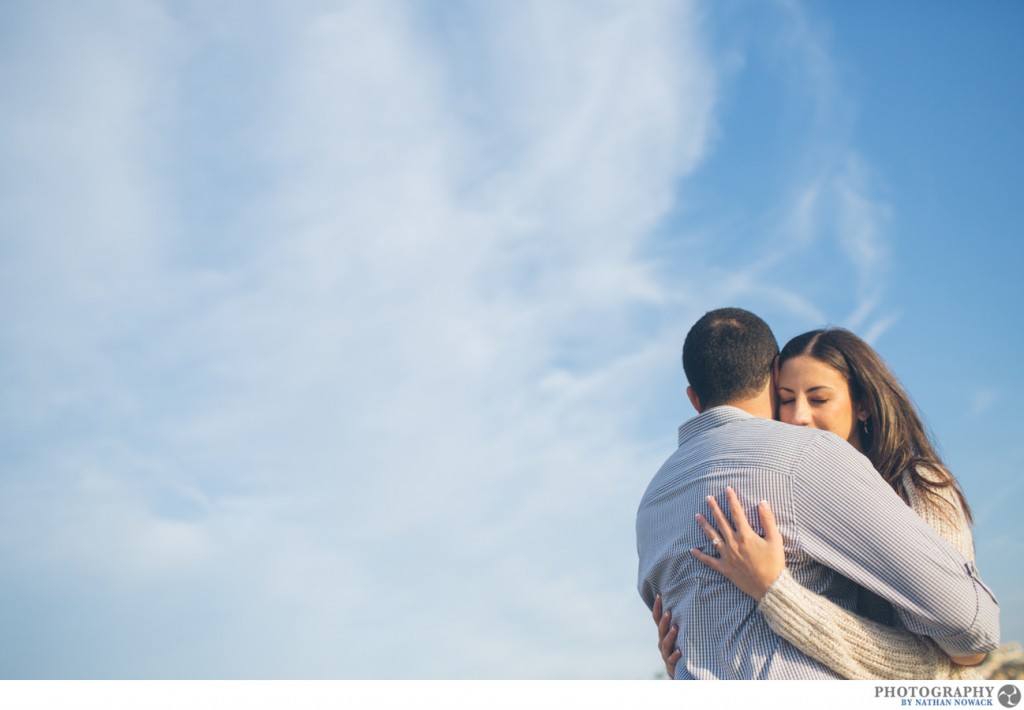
<point x="728" y="356"/>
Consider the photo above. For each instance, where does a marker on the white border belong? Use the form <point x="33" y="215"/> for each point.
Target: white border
<point x="564" y="695"/>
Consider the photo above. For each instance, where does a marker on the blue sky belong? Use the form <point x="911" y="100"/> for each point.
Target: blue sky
<point x="340" y="340"/>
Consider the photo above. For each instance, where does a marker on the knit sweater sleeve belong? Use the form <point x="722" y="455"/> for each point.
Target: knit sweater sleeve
<point x="858" y="648"/>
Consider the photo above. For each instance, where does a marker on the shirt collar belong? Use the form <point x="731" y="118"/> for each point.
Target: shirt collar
<point x="709" y="419"/>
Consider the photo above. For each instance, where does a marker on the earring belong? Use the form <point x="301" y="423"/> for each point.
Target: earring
<point x="866" y="430"/>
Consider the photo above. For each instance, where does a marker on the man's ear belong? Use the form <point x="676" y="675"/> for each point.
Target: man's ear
<point x="694" y="400"/>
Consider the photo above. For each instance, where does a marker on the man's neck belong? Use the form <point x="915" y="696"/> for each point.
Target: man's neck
<point x="760" y="406"/>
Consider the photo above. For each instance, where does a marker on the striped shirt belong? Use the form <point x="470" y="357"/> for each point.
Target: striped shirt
<point x="843" y="526"/>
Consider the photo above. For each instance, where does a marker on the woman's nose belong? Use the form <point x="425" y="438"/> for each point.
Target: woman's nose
<point x="802" y="414"/>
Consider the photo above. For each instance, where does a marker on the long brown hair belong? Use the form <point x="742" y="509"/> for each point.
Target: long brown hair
<point x="895" y="439"/>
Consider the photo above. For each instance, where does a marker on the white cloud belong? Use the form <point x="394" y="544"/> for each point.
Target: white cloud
<point x="339" y="366"/>
<point x="825" y="257"/>
<point x="383" y="409"/>
<point x="982" y="400"/>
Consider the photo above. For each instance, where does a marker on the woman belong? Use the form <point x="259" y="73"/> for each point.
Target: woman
<point x="830" y="379"/>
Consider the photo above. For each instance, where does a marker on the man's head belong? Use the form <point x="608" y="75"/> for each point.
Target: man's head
<point x="728" y="356"/>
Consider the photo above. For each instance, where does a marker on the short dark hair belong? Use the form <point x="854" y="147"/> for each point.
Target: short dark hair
<point x="728" y="356"/>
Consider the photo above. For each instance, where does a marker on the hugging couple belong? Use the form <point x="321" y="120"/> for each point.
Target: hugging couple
<point x="837" y="548"/>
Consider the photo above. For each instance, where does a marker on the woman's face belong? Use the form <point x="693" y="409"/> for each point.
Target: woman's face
<point x="816" y="395"/>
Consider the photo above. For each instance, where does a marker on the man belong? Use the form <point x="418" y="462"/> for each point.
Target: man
<point x="844" y="525"/>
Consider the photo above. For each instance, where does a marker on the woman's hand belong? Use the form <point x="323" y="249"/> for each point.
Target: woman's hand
<point x="749" y="561"/>
<point x="666" y="638"/>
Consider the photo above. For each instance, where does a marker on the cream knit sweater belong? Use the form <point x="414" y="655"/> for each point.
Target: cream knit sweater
<point x="858" y="648"/>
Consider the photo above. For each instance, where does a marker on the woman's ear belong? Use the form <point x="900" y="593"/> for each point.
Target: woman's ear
<point x="862" y="414"/>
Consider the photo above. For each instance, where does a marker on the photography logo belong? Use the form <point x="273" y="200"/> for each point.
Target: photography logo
<point x="1009" y="696"/>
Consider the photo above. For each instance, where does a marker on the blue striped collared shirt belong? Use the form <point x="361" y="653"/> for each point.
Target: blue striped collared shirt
<point x="843" y="526"/>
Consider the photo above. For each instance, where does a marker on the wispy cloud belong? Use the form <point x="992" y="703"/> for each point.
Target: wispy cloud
<point x="382" y="390"/>
<point x="982" y="400"/>
<point x="336" y="334"/>
<point x="824" y="256"/>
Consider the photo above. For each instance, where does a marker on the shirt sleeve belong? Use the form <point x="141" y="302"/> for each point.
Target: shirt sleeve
<point x="858" y="648"/>
<point x="850" y="520"/>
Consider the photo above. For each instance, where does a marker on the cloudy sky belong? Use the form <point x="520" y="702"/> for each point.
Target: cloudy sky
<point x="341" y="339"/>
